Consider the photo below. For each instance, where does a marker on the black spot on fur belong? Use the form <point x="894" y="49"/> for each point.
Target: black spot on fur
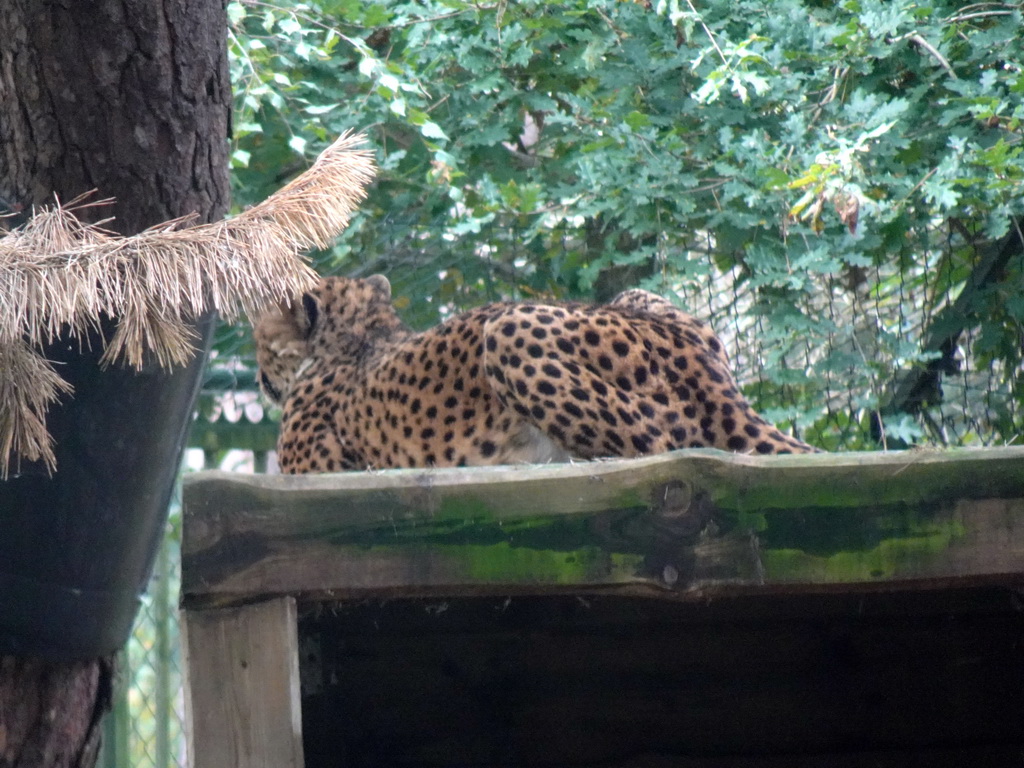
<point x="736" y="443"/>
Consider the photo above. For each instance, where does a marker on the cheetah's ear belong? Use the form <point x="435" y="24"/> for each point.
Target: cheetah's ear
<point x="312" y="310"/>
<point x="381" y="283"/>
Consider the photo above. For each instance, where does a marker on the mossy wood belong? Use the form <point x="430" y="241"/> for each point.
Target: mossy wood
<point x="682" y="525"/>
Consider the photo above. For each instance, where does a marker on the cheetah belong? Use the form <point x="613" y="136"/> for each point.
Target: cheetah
<point x="504" y="383"/>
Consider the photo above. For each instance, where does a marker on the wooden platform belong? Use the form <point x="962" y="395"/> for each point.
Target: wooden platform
<point x="694" y="609"/>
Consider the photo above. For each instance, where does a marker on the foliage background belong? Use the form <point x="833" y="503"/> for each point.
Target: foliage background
<point x="835" y="185"/>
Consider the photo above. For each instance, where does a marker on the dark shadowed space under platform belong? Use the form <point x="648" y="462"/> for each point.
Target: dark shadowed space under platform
<point x="872" y="679"/>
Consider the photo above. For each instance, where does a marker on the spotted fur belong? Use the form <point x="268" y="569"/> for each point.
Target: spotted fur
<point x="504" y="383"/>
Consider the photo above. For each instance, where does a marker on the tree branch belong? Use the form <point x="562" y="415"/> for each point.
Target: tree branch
<point x="919" y="387"/>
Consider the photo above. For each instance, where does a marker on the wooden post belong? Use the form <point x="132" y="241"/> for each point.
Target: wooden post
<point x="242" y="704"/>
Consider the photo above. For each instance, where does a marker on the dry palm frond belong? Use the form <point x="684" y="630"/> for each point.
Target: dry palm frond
<point x="23" y="407"/>
<point x="57" y="273"/>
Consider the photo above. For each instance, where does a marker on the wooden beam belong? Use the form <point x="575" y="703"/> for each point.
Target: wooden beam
<point x="242" y="704"/>
<point x="681" y="525"/>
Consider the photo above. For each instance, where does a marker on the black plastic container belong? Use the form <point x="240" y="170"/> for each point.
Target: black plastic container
<point x="77" y="548"/>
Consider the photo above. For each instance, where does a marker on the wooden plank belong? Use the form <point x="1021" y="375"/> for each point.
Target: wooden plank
<point x="685" y="524"/>
<point x="242" y="702"/>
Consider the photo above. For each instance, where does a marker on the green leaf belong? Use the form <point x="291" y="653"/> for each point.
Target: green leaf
<point x="432" y="130"/>
<point x="637" y="120"/>
<point x="236" y="13"/>
<point x="390" y="82"/>
<point x="367" y="65"/>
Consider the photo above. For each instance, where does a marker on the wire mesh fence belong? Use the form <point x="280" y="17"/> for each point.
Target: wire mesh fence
<point x="146" y="726"/>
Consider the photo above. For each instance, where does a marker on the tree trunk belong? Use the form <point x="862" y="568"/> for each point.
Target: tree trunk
<point x="131" y="98"/>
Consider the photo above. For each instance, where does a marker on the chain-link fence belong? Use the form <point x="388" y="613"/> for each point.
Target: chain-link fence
<point x="146" y="725"/>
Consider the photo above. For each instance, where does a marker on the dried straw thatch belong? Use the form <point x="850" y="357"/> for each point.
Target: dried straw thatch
<point x="57" y="273"/>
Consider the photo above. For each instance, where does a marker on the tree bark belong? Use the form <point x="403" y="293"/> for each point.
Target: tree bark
<point x="131" y="98"/>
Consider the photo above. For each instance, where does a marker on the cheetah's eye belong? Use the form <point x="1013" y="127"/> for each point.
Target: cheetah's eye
<point x="271" y="391"/>
<point x="312" y="313"/>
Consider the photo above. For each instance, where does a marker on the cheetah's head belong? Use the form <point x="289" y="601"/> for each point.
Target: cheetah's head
<point x="336" y="321"/>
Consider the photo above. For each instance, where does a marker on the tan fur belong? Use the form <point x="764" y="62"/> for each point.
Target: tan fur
<point x="504" y="383"/>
